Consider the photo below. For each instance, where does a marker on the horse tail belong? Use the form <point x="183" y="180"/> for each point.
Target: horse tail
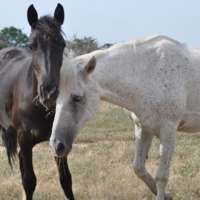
<point x="10" y="142"/>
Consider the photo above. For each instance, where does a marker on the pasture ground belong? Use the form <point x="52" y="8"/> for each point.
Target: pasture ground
<point x="101" y="164"/>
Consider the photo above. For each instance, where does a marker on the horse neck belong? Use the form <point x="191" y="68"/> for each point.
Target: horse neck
<point x="113" y="73"/>
<point x="32" y="82"/>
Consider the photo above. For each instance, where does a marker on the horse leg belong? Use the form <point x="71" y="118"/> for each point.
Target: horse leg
<point x="26" y="166"/>
<point x="143" y="144"/>
<point x="65" y="177"/>
<point x="167" y="143"/>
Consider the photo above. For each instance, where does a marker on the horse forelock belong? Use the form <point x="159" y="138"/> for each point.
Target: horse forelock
<point x="49" y="25"/>
<point x="68" y="76"/>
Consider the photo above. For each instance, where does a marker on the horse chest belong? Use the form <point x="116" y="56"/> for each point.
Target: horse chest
<point x="40" y="135"/>
<point x="34" y="120"/>
<point x="38" y="126"/>
<point x="144" y="124"/>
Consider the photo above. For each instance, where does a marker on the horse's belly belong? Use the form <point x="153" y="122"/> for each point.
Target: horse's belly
<point x="190" y="124"/>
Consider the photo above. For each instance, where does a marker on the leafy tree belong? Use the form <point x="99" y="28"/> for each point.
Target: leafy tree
<point x="12" y="36"/>
<point x="82" y="46"/>
<point x="3" y="44"/>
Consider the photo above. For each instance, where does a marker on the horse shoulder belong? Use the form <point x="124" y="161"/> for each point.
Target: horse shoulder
<point x="162" y="84"/>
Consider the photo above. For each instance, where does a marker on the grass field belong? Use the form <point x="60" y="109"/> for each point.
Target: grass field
<point x="101" y="164"/>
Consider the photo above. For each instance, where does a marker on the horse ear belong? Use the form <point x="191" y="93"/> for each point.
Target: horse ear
<point x="89" y="68"/>
<point x="68" y="54"/>
<point x="59" y="14"/>
<point x="32" y="16"/>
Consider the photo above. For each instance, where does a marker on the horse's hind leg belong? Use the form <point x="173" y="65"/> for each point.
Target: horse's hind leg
<point x="143" y="144"/>
<point x="167" y="142"/>
<point x="65" y="177"/>
<point x="26" y="166"/>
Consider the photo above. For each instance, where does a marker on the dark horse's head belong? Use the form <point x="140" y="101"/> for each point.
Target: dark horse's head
<point x="47" y="45"/>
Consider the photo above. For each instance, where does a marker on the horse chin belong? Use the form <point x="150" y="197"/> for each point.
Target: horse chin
<point x="61" y="154"/>
<point x="64" y="155"/>
<point x="47" y="102"/>
<point x="48" y="98"/>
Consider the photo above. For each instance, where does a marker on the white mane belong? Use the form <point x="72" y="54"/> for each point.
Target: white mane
<point x="69" y="66"/>
<point x="68" y="80"/>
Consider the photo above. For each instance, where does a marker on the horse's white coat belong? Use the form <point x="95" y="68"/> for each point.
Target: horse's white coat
<point x="157" y="80"/>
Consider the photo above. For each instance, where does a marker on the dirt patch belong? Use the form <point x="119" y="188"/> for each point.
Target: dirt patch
<point x="77" y="144"/>
<point x="86" y="144"/>
<point x="2" y="148"/>
<point x="81" y="144"/>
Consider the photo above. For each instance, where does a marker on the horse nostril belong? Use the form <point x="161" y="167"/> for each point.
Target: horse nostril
<point x="60" y="147"/>
<point x="54" y="90"/>
<point x="41" y="91"/>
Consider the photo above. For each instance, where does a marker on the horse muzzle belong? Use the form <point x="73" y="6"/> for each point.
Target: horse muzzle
<point x="48" y="94"/>
<point x="60" y="149"/>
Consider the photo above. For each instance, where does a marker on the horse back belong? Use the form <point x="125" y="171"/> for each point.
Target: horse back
<point x="13" y="54"/>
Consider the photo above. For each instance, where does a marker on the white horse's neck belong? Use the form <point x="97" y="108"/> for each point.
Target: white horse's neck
<point x="113" y="73"/>
<point x="127" y="72"/>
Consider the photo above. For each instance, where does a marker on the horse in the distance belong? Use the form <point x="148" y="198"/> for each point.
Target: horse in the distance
<point x="29" y="86"/>
<point x="156" y="79"/>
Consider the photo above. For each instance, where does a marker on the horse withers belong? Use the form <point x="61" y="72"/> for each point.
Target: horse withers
<point x="29" y="86"/>
<point x="156" y="79"/>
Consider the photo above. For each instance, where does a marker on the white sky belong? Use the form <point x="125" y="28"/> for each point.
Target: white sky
<point x="113" y="21"/>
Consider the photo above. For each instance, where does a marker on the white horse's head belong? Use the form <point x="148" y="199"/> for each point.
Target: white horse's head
<point x="77" y="103"/>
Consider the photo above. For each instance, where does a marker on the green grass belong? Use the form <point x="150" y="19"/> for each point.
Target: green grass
<point x="101" y="164"/>
<point x="111" y="124"/>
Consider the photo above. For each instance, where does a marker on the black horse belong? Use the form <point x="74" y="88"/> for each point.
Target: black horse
<point x="29" y="86"/>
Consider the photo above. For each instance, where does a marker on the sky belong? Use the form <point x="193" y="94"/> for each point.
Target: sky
<point x="113" y="21"/>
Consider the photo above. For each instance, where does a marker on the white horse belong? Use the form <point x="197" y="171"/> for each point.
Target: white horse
<point x="156" y="79"/>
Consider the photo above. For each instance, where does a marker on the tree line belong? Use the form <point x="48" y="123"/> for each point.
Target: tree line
<point x="12" y="36"/>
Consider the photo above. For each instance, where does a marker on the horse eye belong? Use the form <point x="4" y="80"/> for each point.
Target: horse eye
<point x="31" y="47"/>
<point x="77" y="98"/>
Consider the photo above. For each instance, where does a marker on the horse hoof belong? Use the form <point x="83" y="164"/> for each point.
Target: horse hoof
<point x="168" y="196"/>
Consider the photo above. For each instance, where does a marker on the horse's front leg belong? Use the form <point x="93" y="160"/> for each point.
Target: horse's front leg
<point x="26" y="166"/>
<point x="143" y="144"/>
<point x="167" y="143"/>
<point x="65" y="177"/>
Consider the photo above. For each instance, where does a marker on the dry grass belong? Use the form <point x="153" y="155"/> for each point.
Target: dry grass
<point x="101" y="164"/>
